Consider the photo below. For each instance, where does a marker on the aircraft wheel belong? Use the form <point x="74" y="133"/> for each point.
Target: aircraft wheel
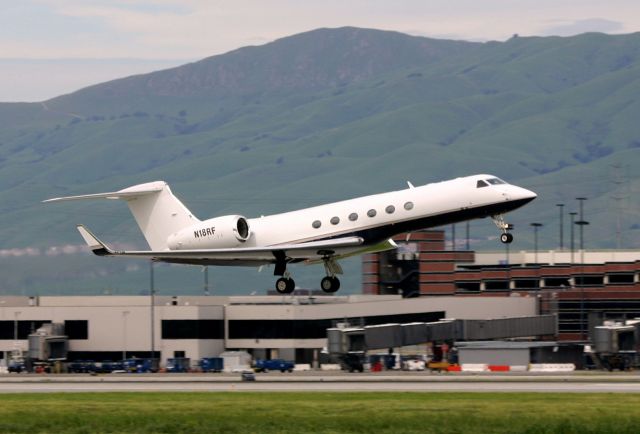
<point x="330" y="284"/>
<point x="506" y="238"/>
<point x="285" y="285"/>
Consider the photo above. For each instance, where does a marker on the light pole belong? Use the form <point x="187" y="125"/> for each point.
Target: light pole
<point x="535" y="226"/>
<point x="152" y="302"/>
<point x="506" y="254"/>
<point x="453" y="236"/>
<point x="561" y="208"/>
<point x="467" y="235"/>
<point x="16" y="314"/>
<point x="572" y="216"/>
<point x="3" y="353"/>
<point x="125" y="313"/>
<point x="206" y="280"/>
<point x="582" y="224"/>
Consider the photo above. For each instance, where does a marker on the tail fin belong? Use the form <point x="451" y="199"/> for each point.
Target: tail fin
<point x="156" y="210"/>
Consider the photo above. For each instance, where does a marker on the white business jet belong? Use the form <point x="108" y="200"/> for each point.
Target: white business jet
<point x="322" y="233"/>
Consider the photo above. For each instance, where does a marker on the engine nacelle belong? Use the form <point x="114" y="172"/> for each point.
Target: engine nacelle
<point x="216" y="233"/>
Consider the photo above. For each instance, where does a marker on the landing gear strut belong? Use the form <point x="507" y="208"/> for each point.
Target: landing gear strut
<point x="285" y="284"/>
<point x="505" y="237"/>
<point x="330" y="283"/>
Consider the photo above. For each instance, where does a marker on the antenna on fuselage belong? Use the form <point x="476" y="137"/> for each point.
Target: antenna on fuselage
<point x="410" y="184"/>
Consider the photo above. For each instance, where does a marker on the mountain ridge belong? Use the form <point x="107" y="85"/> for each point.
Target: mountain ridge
<point x="552" y="114"/>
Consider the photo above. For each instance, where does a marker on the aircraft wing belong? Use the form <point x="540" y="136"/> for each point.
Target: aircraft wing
<point x="309" y="251"/>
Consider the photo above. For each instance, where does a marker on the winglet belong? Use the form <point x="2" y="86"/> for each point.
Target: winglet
<point x="96" y="246"/>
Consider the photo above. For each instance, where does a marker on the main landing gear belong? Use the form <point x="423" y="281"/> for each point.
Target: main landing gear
<point x="329" y="284"/>
<point x="506" y="237"/>
<point x="285" y="284"/>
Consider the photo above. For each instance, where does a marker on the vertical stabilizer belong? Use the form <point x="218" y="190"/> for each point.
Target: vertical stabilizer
<point x="159" y="213"/>
<point x="156" y="210"/>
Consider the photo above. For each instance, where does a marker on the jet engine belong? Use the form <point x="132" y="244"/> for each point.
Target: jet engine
<point x="216" y="233"/>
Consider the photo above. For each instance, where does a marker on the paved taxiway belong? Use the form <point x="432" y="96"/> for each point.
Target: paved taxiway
<point x="338" y="382"/>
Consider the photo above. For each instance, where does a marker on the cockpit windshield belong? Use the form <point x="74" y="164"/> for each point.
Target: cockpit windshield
<point x="495" y="181"/>
<point x="490" y="181"/>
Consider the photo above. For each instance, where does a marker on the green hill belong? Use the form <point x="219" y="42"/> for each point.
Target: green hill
<point x="324" y="115"/>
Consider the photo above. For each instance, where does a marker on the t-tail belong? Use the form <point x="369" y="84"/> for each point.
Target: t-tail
<point x="156" y="210"/>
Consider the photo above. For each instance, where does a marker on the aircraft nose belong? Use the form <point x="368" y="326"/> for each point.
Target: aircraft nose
<point x="525" y="194"/>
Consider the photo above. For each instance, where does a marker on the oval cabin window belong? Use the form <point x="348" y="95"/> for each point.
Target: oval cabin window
<point x="353" y="216"/>
<point x="335" y="220"/>
<point x="408" y="206"/>
<point x="371" y="213"/>
<point x="390" y="209"/>
<point x="316" y="224"/>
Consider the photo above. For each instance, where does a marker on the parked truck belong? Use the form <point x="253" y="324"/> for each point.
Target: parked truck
<point x="281" y="365"/>
<point x="211" y="364"/>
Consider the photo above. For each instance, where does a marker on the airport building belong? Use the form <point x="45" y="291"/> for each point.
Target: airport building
<point x="421" y="282"/>
<point x="291" y="327"/>
<point x="583" y="288"/>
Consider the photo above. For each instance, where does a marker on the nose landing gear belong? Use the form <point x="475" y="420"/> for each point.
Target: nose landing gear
<point x="506" y="237"/>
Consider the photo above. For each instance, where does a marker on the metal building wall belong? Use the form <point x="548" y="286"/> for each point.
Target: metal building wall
<point x="501" y="356"/>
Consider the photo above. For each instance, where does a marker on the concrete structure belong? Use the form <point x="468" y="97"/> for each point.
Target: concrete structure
<point x="344" y="340"/>
<point x="519" y="354"/>
<point x="583" y="288"/>
<point x="292" y="327"/>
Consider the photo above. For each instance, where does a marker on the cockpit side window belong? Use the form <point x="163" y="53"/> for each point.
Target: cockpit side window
<point x="481" y="183"/>
<point x="495" y="181"/>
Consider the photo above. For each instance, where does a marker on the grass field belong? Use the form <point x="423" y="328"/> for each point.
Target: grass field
<point x="320" y="412"/>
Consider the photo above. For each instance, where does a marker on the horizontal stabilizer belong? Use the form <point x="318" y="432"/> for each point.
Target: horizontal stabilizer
<point x="127" y="193"/>
<point x="96" y="246"/>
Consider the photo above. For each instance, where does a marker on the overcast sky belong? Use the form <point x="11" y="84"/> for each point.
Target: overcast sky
<point x="51" y="47"/>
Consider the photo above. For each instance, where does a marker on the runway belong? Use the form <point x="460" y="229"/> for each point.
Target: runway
<point x="321" y="387"/>
<point x="322" y="383"/>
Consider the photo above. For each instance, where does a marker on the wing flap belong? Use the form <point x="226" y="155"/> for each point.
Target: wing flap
<point x="301" y="250"/>
<point x="266" y="254"/>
